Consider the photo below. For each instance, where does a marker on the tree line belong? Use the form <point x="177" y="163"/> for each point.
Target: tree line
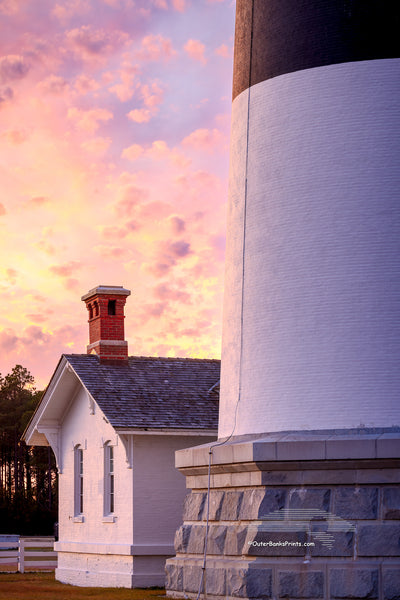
<point x="28" y="475"/>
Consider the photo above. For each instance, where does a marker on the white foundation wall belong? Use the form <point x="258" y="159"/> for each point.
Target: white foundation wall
<point x="83" y="541"/>
<point x="311" y="314"/>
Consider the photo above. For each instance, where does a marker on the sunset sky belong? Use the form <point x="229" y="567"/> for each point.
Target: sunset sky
<point x="114" y="135"/>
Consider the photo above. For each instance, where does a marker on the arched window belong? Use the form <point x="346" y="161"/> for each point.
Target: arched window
<point x="78" y="481"/>
<point x="96" y="308"/>
<point x="111" y="307"/>
<point x="90" y="309"/>
<point x="108" y="479"/>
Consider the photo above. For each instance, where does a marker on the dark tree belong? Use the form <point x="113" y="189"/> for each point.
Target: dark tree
<point x="28" y="478"/>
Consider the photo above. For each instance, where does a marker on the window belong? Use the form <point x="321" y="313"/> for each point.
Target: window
<point x="112" y="307"/>
<point x="78" y="481"/>
<point x="108" y="479"/>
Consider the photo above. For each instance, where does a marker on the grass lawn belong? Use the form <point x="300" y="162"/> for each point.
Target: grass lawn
<point x="42" y="586"/>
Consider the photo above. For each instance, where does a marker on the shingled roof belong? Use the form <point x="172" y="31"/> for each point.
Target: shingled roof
<point x="147" y="392"/>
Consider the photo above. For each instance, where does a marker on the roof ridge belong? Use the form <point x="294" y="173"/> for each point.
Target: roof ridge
<point x="166" y="358"/>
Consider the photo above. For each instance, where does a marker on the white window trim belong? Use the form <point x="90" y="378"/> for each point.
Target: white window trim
<point x="109" y="483"/>
<point x="78" y="484"/>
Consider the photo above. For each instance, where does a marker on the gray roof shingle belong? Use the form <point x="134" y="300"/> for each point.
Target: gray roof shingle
<point x="147" y="392"/>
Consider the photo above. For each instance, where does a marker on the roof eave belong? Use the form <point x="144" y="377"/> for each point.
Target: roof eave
<point x="166" y="431"/>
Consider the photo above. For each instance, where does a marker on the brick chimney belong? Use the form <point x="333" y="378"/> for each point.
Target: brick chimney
<point x="105" y="305"/>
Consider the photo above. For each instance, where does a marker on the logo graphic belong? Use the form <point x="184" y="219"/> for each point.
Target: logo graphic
<point x="287" y="520"/>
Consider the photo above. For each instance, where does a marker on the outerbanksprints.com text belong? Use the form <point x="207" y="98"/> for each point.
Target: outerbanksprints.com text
<point x="285" y="543"/>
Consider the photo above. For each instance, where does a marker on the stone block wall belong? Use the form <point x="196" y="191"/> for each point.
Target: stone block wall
<point x="317" y="539"/>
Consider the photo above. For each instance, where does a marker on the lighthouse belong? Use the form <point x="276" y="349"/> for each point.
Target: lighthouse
<point x="300" y="496"/>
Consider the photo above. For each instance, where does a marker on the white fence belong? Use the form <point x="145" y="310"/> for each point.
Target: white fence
<point x="31" y="553"/>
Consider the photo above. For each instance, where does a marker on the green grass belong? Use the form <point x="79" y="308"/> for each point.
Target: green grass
<point x="42" y="586"/>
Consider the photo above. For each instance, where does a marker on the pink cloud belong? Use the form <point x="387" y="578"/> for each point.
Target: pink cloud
<point x="69" y="9"/>
<point x="207" y="140"/>
<point x="6" y="94"/>
<point x="155" y="48"/>
<point x="165" y="292"/>
<point x="139" y="115"/>
<point x="159" y="150"/>
<point x="46" y="247"/>
<point x="95" y="43"/>
<point x="131" y="198"/>
<point x="12" y="67"/>
<point x="152" y="94"/>
<point x="178" y="225"/>
<point x="85" y="84"/>
<point x="38" y="317"/>
<point x="125" y="90"/>
<point x="66" y="269"/>
<point x="89" y="120"/>
<point x="54" y="85"/>
<point x="111" y="252"/>
<point x="15" y="136"/>
<point x="37" y="201"/>
<point x="8" y="340"/>
<point x="155" y="210"/>
<point x="149" y="311"/>
<point x="179" y="5"/>
<point x="132" y="152"/>
<point x="223" y="51"/>
<point x="2" y="209"/>
<point x="160" y="4"/>
<point x="119" y="232"/>
<point x="98" y="145"/>
<point x="168" y="255"/>
<point x="11" y="276"/>
<point x="195" y="49"/>
<point x="9" y="7"/>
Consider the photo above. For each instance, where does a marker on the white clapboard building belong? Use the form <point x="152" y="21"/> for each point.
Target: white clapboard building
<point x="114" y="423"/>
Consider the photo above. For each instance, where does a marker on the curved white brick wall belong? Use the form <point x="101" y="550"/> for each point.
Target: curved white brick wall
<point x="319" y="345"/>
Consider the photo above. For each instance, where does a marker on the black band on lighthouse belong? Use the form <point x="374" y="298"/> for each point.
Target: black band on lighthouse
<point x="274" y="37"/>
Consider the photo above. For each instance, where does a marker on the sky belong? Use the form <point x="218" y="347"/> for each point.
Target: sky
<point x="114" y="139"/>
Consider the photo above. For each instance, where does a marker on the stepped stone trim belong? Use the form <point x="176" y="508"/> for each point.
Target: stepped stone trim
<point x="349" y="509"/>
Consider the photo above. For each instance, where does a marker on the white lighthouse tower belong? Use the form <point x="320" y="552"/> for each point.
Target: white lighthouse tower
<point x="304" y="482"/>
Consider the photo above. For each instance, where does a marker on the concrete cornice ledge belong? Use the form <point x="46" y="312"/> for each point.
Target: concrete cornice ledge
<point x="251" y="459"/>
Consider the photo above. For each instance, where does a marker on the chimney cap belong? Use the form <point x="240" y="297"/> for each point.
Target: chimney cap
<point x="112" y="290"/>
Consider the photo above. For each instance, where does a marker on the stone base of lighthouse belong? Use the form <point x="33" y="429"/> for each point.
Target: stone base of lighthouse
<point x="304" y="515"/>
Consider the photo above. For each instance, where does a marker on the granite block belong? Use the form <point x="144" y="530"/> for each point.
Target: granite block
<point x="196" y="539"/>
<point x="216" y="500"/>
<point x="249" y="582"/>
<point x="192" y="578"/>
<point x="301" y="584"/>
<point x="310" y="499"/>
<point x="356" y="502"/>
<point x="235" y="540"/>
<point x="391" y="583"/>
<point x="380" y="539"/>
<point x="193" y="506"/>
<point x="182" y="536"/>
<point x="216" y="539"/>
<point x="214" y="582"/>
<point x="231" y="506"/>
<point x="391" y="503"/>
<point x="259" y="502"/>
<point x="353" y="583"/>
<point x="339" y="543"/>
<point x="174" y="577"/>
